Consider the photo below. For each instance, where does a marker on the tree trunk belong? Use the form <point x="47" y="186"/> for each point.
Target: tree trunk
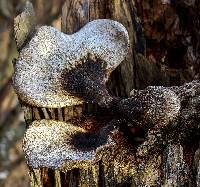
<point x="178" y="163"/>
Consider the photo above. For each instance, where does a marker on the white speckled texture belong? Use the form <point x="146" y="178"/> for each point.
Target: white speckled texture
<point x="48" y="143"/>
<point x="165" y="106"/>
<point x="37" y="76"/>
<point x="162" y="105"/>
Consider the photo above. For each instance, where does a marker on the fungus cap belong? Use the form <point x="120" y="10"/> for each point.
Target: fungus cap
<point x="49" y="143"/>
<point x="38" y="71"/>
<point x="159" y="105"/>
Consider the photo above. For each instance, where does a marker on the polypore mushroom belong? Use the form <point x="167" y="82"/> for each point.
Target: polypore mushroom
<point x="46" y="70"/>
<point x="49" y="143"/>
<point x="154" y="107"/>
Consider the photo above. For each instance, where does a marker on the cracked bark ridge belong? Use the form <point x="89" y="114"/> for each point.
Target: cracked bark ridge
<point x="24" y="25"/>
<point x="50" y="53"/>
<point x="171" y="29"/>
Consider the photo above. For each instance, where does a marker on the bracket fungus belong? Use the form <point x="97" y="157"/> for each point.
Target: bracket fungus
<point x="49" y="143"/>
<point x="154" y="107"/>
<point x="56" y="70"/>
<point x="43" y="71"/>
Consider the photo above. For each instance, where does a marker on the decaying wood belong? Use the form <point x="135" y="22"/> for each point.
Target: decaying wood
<point x="24" y="25"/>
<point x="163" y="158"/>
<point x="172" y="37"/>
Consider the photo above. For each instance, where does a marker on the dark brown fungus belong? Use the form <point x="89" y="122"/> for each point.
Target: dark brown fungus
<point x="88" y="81"/>
<point x="154" y="106"/>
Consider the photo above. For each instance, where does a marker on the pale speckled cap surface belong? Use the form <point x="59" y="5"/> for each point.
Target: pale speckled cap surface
<point x="37" y="76"/>
<point x="49" y="143"/>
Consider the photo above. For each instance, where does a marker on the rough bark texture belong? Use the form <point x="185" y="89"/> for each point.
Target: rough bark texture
<point x="176" y="162"/>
